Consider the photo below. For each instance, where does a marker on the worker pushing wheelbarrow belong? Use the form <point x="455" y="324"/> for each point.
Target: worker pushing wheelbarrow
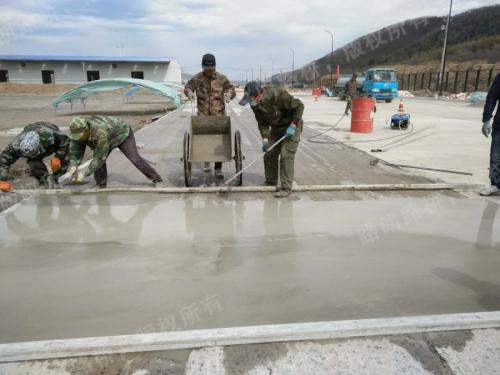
<point x="210" y="139"/>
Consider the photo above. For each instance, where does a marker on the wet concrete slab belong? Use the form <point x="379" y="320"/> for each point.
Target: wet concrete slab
<point x="82" y="266"/>
<point x="316" y="163"/>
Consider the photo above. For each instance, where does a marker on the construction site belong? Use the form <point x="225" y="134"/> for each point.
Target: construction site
<point x="373" y="250"/>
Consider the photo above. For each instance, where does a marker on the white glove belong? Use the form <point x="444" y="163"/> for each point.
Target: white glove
<point x="227" y="97"/>
<point x="190" y="95"/>
<point x="265" y="144"/>
<point x="79" y="177"/>
<point x="487" y="128"/>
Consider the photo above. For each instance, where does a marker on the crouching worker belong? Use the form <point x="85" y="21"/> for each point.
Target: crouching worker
<point x="103" y="134"/>
<point x="278" y="114"/>
<point x="35" y="143"/>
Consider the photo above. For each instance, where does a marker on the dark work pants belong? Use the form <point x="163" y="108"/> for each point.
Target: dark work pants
<point x="129" y="148"/>
<point x="495" y="156"/>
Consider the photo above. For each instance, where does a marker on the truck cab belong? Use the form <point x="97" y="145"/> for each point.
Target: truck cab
<point x="381" y="84"/>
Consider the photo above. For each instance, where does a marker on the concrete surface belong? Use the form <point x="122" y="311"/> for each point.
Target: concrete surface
<point x="83" y="266"/>
<point x="447" y="135"/>
<point x="316" y="164"/>
<point x="459" y="352"/>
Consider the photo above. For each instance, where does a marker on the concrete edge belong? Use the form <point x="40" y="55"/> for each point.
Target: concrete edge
<point x="161" y="118"/>
<point x="252" y="189"/>
<point x="40" y="350"/>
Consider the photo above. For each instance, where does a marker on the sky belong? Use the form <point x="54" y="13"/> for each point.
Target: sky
<point x="243" y="35"/>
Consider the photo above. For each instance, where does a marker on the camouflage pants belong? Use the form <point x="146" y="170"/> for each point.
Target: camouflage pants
<point x="39" y="170"/>
<point x="348" y="106"/>
<point x="282" y="158"/>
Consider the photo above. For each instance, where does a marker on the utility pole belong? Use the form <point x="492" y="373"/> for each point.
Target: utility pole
<point x="272" y="69"/>
<point x="445" y="47"/>
<point x="314" y="73"/>
<point x="260" y="73"/>
<point x="252" y="74"/>
<point x="293" y="63"/>
<point x="331" y="61"/>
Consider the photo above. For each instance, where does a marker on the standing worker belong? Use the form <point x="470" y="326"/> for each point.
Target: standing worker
<point x="492" y="100"/>
<point x="278" y="114"/>
<point x="36" y="142"/>
<point x="213" y="90"/>
<point x="351" y="89"/>
<point x="103" y="134"/>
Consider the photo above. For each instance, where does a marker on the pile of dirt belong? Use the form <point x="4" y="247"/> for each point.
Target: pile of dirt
<point x="29" y="88"/>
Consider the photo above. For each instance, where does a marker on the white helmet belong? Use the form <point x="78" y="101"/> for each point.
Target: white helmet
<point x="30" y="145"/>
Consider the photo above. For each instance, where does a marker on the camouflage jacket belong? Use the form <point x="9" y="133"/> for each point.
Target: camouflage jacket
<point x="106" y="133"/>
<point x="351" y="88"/>
<point x="52" y="141"/>
<point x="210" y="93"/>
<point x="277" y="110"/>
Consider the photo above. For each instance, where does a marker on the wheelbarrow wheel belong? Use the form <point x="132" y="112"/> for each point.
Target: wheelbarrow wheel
<point x="238" y="157"/>
<point x="185" y="158"/>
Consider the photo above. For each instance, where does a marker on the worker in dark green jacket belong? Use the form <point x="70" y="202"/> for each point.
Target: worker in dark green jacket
<point x="36" y="142"/>
<point x="103" y="134"/>
<point x="351" y="92"/>
<point x="278" y="114"/>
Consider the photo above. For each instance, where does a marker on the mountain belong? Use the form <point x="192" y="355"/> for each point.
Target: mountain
<point x="473" y="36"/>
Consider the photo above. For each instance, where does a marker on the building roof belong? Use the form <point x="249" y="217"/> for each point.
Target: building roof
<point x="85" y="58"/>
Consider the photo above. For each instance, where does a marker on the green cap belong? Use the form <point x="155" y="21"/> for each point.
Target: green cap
<point x="77" y="128"/>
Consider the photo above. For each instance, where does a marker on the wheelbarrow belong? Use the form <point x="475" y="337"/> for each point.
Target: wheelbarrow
<point x="211" y="140"/>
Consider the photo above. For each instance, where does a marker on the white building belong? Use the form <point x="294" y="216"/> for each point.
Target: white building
<point x="81" y="69"/>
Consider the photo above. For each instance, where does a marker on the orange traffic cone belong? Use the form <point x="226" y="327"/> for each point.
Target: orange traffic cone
<point x="401" y="106"/>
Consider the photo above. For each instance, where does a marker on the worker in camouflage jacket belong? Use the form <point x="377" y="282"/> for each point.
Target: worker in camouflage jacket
<point x="103" y="134"/>
<point x="36" y="142"/>
<point x="351" y="90"/>
<point x="212" y="90"/>
<point x="278" y="114"/>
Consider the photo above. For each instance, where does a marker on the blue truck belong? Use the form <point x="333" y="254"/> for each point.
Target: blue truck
<point x="379" y="83"/>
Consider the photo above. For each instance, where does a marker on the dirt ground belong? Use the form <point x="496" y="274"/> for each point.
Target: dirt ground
<point x="26" y="104"/>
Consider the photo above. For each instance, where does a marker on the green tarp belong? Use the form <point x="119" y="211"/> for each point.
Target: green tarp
<point x="82" y="92"/>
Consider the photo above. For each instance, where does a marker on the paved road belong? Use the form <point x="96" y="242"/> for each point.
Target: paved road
<point x="315" y="163"/>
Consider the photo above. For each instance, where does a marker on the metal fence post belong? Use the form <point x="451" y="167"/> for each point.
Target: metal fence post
<point x="478" y="77"/>
<point x="490" y="77"/>
<point x="430" y="80"/>
<point x="466" y="81"/>
<point x="455" y="85"/>
<point x="446" y="81"/>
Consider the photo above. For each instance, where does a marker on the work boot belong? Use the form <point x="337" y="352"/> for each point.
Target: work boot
<point x="492" y="190"/>
<point x="101" y="186"/>
<point x="219" y="174"/>
<point x="283" y="193"/>
<point x="267" y="183"/>
<point x="206" y="167"/>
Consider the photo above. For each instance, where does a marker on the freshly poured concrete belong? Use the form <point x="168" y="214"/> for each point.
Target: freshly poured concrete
<point x="102" y="265"/>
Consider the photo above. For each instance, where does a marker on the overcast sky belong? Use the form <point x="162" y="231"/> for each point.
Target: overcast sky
<point x="242" y="34"/>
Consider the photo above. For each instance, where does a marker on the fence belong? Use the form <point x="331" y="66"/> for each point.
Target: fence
<point x="453" y="81"/>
